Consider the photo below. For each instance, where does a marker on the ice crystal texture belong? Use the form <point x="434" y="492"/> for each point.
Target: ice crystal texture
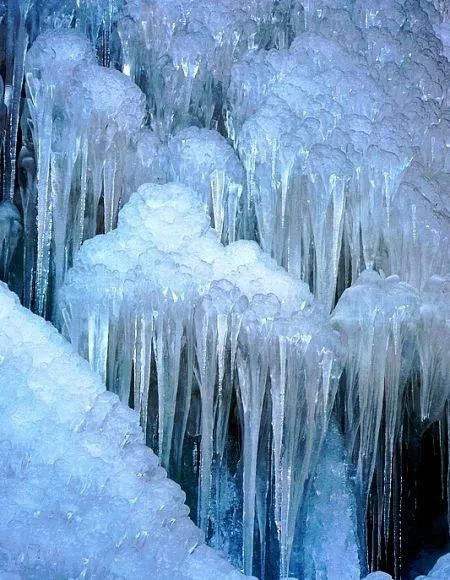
<point x="76" y="473"/>
<point x="238" y="213"/>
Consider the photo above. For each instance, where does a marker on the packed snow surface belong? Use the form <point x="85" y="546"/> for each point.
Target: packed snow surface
<point x="82" y="496"/>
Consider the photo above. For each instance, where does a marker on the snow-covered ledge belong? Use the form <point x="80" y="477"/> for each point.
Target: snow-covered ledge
<point x="81" y="495"/>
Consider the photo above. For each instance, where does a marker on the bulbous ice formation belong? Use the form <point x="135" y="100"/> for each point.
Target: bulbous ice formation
<point x="378" y="316"/>
<point x="356" y="204"/>
<point x="318" y="129"/>
<point x="219" y="323"/>
<point x="204" y="160"/>
<point x="181" y="52"/>
<point x="83" y="118"/>
<point x="81" y="493"/>
<point x="398" y="360"/>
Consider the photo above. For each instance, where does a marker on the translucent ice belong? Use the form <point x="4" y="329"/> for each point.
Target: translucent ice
<point x="204" y="160"/>
<point x="379" y="317"/>
<point x="83" y="118"/>
<point x="331" y="516"/>
<point x="161" y="300"/>
<point x="10" y="232"/>
<point x="181" y="52"/>
<point x="334" y="93"/>
<point x="81" y="493"/>
<point x="395" y="336"/>
<point x="320" y="130"/>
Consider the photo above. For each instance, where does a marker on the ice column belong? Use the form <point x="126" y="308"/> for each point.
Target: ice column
<point x="222" y="321"/>
<point x="83" y="119"/>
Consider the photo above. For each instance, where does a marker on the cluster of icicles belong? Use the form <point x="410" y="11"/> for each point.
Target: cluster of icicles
<point x="334" y="160"/>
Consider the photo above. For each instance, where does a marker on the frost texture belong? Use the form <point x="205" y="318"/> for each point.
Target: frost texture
<point x="91" y="495"/>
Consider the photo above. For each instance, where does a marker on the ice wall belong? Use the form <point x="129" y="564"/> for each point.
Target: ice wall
<point x="320" y="130"/>
<point x="81" y="493"/>
<point x="342" y="161"/>
<point x="181" y="52"/>
<point x="159" y="299"/>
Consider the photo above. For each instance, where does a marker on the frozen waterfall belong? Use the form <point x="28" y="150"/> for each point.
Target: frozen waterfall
<point x="238" y="215"/>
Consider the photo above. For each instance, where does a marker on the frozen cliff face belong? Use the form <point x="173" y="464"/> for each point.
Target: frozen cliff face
<point x="161" y="300"/>
<point x="317" y="129"/>
<point x="81" y="493"/>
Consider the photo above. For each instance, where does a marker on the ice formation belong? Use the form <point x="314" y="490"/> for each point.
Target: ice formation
<point x="440" y="571"/>
<point x="331" y="516"/>
<point x="331" y="147"/>
<point x="24" y="20"/>
<point x="83" y="117"/>
<point x="10" y="232"/>
<point x="181" y="52"/>
<point x="77" y="474"/>
<point x="313" y="136"/>
<point x="205" y="161"/>
<point x="224" y="321"/>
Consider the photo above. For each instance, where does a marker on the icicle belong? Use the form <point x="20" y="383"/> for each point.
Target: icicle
<point x="16" y="46"/>
<point x="206" y="343"/>
<point x="379" y="317"/>
<point x="74" y="102"/>
<point x="223" y="322"/>
<point x="252" y="365"/>
<point x="167" y="346"/>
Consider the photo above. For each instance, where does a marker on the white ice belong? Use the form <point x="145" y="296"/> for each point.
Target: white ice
<point x="163" y="283"/>
<point x="83" y="118"/>
<point x="82" y="496"/>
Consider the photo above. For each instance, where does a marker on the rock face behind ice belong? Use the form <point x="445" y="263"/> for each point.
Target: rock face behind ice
<point x="81" y="493"/>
